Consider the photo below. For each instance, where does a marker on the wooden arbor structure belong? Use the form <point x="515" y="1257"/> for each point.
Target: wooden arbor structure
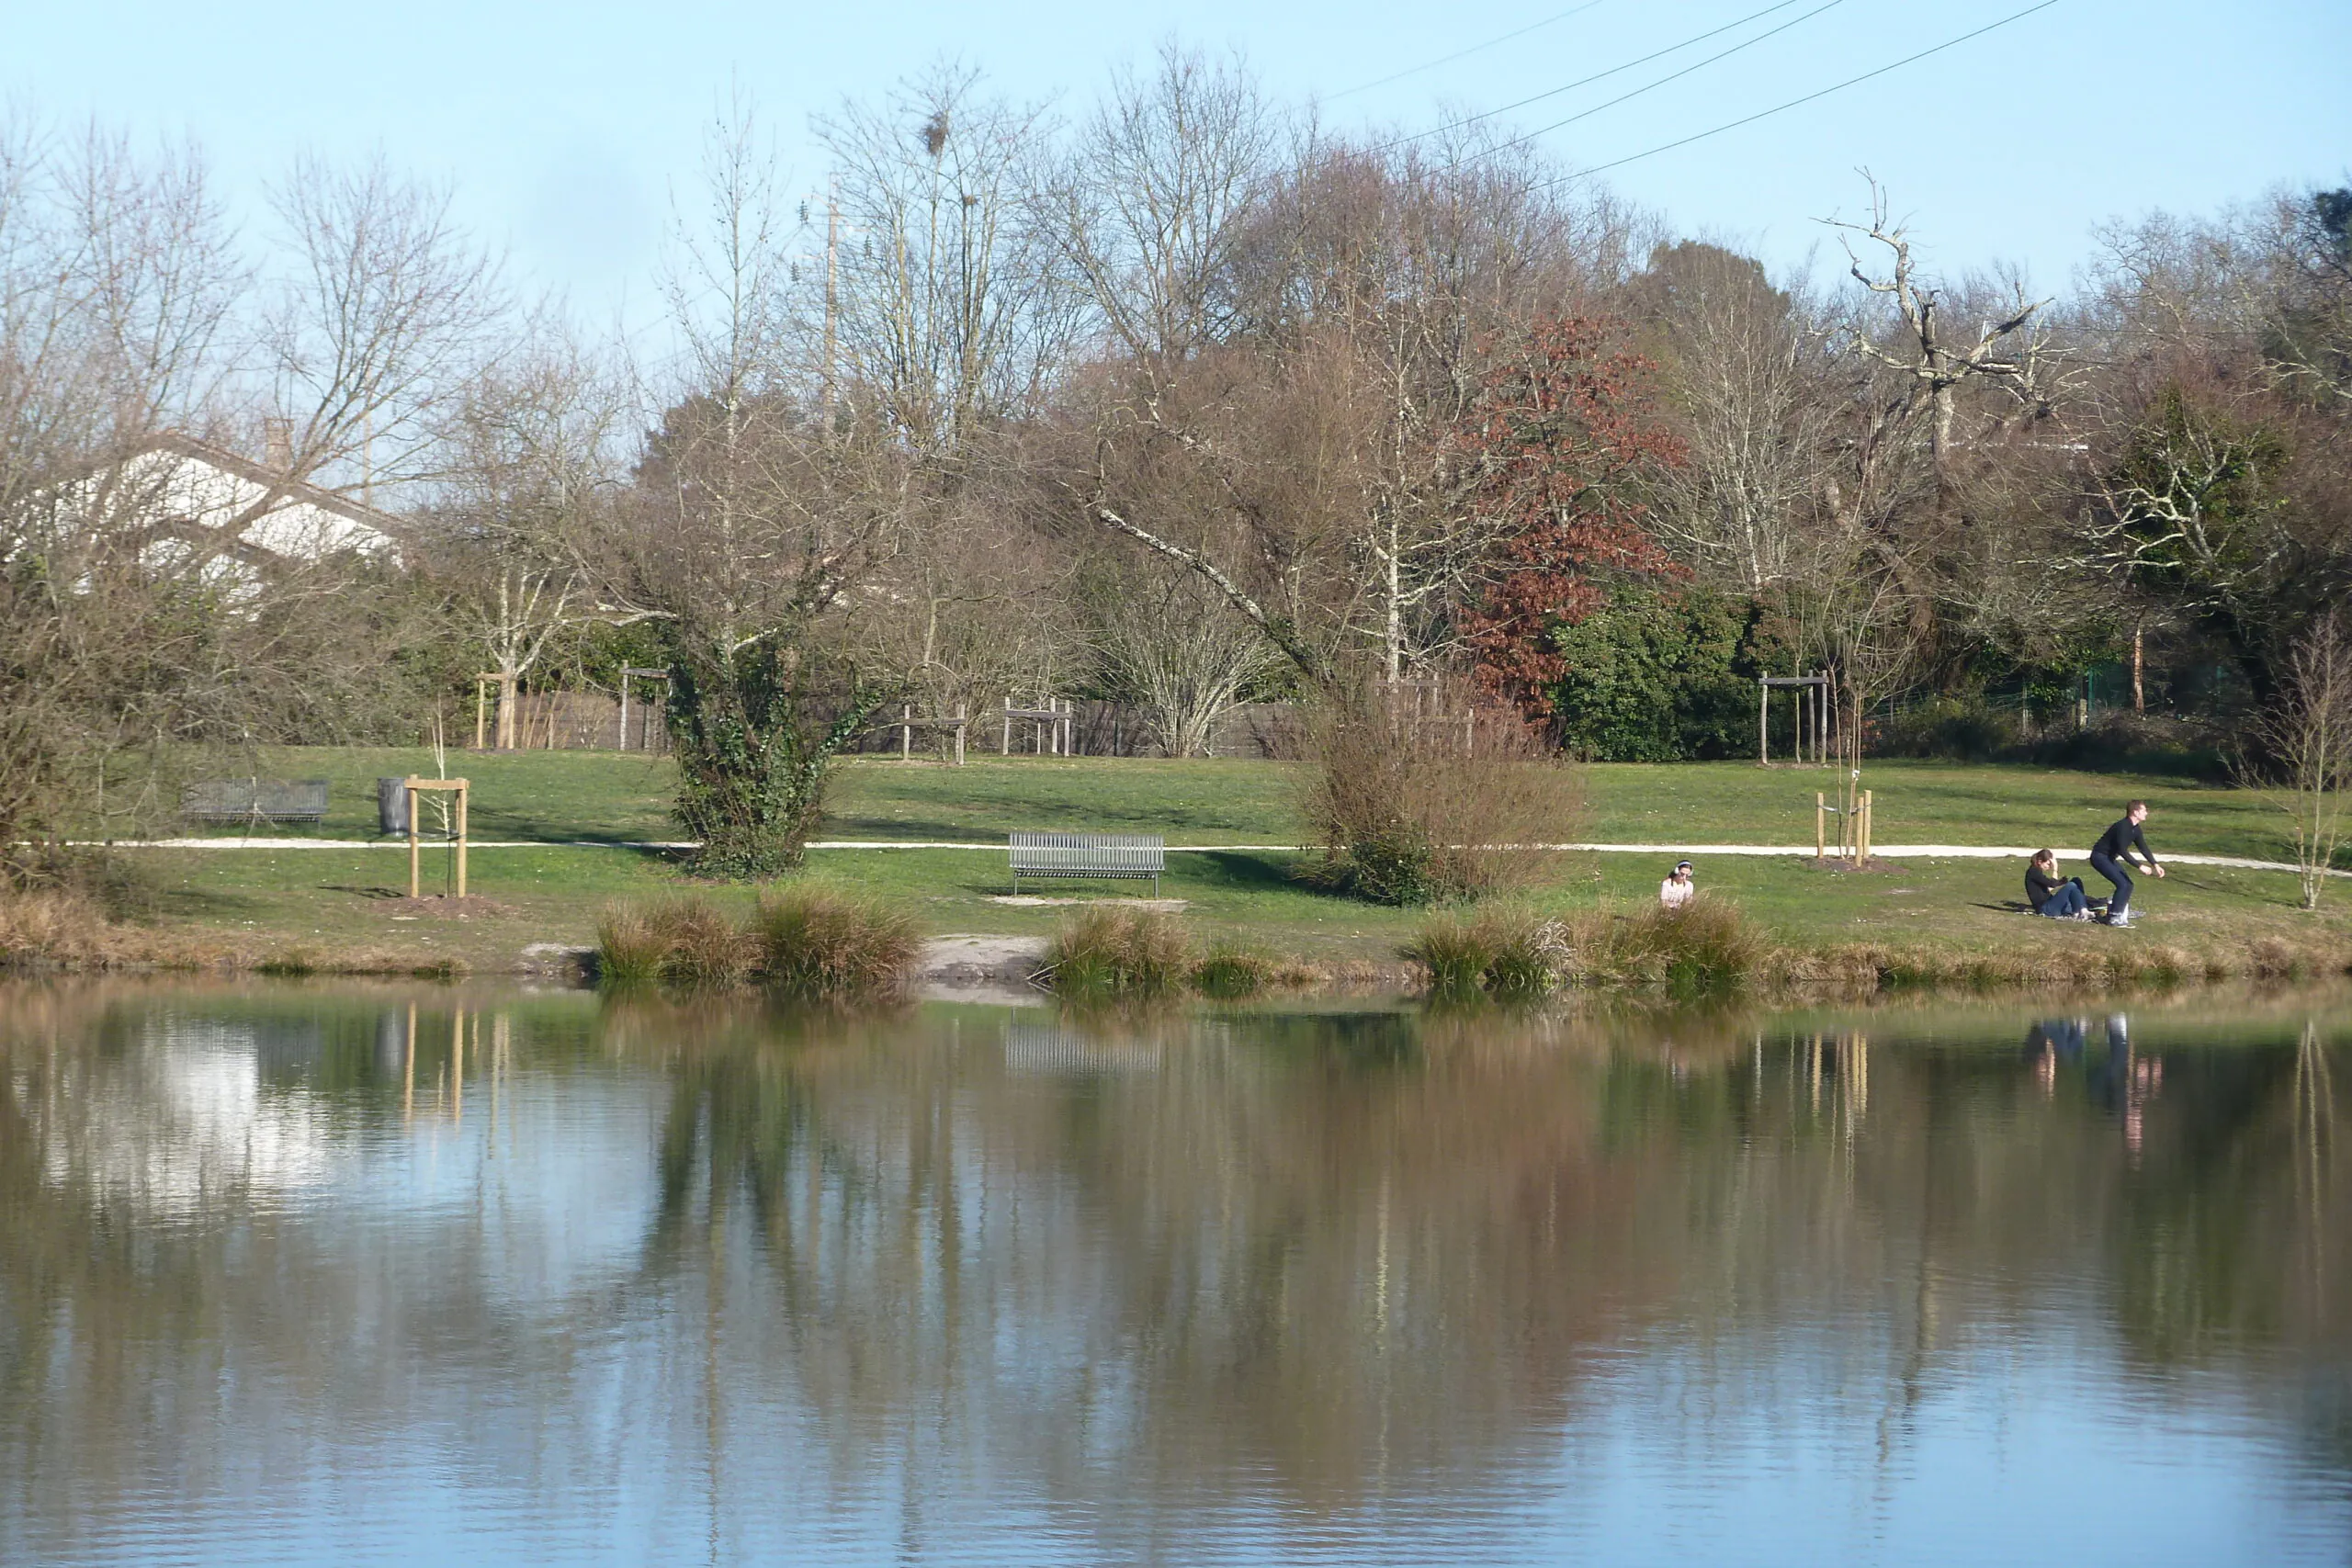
<point x="1811" y="715"/>
<point x="633" y="672"/>
<point x="1056" y="725"/>
<point x="415" y="786"/>
<point x="905" y="723"/>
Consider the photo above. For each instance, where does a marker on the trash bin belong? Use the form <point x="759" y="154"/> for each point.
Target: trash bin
<point x="391" y="805"/>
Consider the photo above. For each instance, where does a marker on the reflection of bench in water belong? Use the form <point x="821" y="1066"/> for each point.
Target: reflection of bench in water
<point x="1043" y="1049"/>
<point x="255" y="800"/>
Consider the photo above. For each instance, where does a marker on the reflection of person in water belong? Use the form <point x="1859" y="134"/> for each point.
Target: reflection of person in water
<point x="2063" y="1035"/>
<point x="2118" y="1079"/>
<point x="2047" y="1042"/>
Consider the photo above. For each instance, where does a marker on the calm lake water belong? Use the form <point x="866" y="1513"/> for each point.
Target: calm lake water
<point x="343" y="1275"/>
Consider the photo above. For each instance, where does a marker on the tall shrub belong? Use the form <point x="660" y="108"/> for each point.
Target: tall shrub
<point x="753" y="747"/>
<point x="1416" y="801"/>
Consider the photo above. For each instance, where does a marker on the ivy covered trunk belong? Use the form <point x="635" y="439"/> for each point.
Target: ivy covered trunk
<point x="754" y="743"/>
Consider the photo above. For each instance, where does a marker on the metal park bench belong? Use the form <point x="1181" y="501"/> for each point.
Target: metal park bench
<point x="255" y="800"/>
<point x="1134" y="855"/>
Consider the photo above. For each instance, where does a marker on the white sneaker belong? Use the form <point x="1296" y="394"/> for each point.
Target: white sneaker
<point x="2123" y="922"/>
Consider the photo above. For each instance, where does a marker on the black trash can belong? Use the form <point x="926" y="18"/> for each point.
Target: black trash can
<point x="391" y="805"/>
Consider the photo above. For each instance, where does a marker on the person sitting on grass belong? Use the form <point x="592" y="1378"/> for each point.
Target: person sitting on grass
<point x="1677" y="889"/>
<point x="2059" y="899"/>
<point x="2111" y="858"/>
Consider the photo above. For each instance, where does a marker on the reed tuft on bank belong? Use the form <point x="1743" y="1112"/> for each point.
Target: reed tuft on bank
<point x="808" y="943"/>
<point x="1704" y="950"/>
<point x="1115" y="952"/>
<point x="814" y="942"/>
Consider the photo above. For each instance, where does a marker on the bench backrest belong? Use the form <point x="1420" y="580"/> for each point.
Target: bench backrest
<point x="269" y="798"/>
<point x="1140" y="852"/>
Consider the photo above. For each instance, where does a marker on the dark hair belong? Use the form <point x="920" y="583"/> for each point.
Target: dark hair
<point x="2040" y="856"/>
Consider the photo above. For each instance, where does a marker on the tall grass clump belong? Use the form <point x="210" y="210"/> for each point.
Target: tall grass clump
<point x="1701" y="949"/>
<point x="1124" y="952"/>
<point x="1230" y="969"/>
<point x="817" y="944"/>
<point x="705" y="946"/>
<point x="1419" y="799"/>
<point x="53" y="925"/>
<point x="1502" y="952"/>
<point x="684" y="941"/>
<point x="630" y="950"/>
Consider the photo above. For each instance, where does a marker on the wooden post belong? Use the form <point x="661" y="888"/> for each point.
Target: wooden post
<point x="1862" y="840"/>
<point x="1004" y="746"/>
<point x="621" y="742"/>
<point x="481" y="713"/>
<point x="1763" y="716"/>
<point x="415" y="786"/>
<point x="905" y="732"/>
<point x="959" y="735"/>
<point x="1820" y="826"/>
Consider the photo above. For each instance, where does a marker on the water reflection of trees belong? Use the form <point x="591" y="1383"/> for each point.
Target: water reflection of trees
<point x="1335" y="1250"/>
<point x="1203" y="1253"/>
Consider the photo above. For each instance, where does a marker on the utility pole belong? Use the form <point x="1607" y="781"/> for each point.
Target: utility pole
<point x="832" y="272"/>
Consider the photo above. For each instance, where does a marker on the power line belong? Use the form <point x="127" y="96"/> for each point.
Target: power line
<point x="1662" y="81"/>
<point x="1588" y="80"/>
<point x="1793" y="103"/>
<point x="1463" y="53"/>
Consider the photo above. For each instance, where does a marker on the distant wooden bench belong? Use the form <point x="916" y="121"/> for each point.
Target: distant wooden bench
<point x="255" y="800"/>
<point x="1135" y="855"/>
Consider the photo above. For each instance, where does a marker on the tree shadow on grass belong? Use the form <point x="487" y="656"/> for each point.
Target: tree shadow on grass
<point x="1247" y="870"/>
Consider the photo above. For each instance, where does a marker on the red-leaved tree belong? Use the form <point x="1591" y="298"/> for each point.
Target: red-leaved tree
<point x="1555" y="448"/>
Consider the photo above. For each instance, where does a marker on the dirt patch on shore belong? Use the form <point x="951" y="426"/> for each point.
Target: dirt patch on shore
<point x="971" y="968"/>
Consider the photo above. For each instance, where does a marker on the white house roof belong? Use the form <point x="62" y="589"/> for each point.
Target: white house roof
<point x="191" y="491"/>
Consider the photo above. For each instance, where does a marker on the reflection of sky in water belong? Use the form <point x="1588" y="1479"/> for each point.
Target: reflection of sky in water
<point x="184" y="1122"/>
<point x="1033" y="1294"/>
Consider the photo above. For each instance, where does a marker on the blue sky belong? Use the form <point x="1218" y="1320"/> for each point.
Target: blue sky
<point x="564" y="126"/>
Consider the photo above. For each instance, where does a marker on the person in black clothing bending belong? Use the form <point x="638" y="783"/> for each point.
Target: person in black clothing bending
<point x="2112" y="855"/>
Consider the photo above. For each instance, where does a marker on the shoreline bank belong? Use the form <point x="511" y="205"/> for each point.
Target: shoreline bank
<point x="970" y="965"/>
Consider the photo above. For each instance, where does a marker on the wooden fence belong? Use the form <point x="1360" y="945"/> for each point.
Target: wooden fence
<point x="591" y="721"/>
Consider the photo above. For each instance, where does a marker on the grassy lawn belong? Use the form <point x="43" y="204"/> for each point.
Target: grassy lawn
<point x="604" y="796"/>
<point x="577" y="810"/>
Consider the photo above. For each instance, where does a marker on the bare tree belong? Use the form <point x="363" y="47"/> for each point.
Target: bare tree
<point x="750" y="533"/>
<point x="1182" y="651"/>
<point x="1754" y="399"/>
<point x="946" y="304"/>
<point x="1156" y="198"/>
<point x="2307" y="735"/>
<point x="2008" y="349"/>
<point x="530" y="468"/>
<point x="382" y="316"/>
